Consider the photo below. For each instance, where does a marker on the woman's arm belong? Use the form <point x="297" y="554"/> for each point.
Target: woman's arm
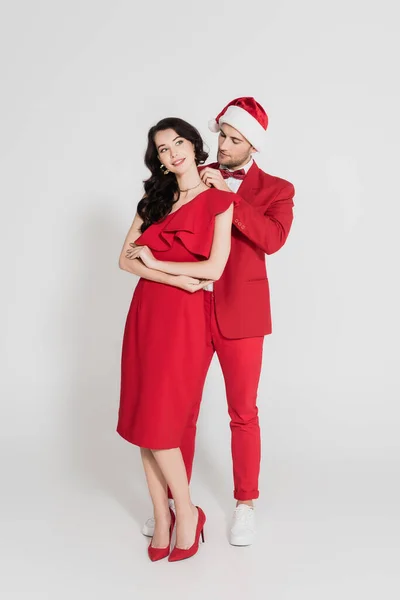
<point x="136" y="266"/>
<point x="213" y="267"/>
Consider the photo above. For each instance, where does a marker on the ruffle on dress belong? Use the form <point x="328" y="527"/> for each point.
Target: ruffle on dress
<point x="192" y="224"/>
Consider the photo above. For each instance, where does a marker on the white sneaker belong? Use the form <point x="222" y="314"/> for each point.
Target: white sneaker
<point x="243" y="526"/>
<point x="148" y="527"/>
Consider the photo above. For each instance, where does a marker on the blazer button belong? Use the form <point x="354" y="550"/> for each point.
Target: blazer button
<point x="239" y="223"/>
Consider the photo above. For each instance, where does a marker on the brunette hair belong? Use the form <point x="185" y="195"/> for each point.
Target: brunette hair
<point x="160" y="190"/>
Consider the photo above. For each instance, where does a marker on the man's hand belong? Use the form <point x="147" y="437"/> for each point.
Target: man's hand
<point x="213" y="177"/>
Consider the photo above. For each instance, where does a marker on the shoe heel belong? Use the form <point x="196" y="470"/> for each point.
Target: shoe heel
<point x="202" y="535"/>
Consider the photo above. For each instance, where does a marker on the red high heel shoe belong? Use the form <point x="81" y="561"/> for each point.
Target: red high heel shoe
<point x="159" y="553"/>
<point x="180" y="553"/>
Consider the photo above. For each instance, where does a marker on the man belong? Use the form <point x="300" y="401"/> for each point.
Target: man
<point x="241" y="315"/>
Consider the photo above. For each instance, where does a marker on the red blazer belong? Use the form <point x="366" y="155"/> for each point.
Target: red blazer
<point x="261" y="224"/>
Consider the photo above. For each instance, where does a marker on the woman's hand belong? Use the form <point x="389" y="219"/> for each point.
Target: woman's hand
<point x="144" y="253"/>
<point x="147" y="258"/>
<point x="190" y="284"/>
<point x="133" y="252"/>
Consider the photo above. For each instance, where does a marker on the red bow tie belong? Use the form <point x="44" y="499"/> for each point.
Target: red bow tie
<point x="239" y="174"/>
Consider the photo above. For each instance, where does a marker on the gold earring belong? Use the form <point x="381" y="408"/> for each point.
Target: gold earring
<point x="162" y="167"/>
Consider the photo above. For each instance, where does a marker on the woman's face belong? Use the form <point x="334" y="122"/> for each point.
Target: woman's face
<point x="174" y="151"/>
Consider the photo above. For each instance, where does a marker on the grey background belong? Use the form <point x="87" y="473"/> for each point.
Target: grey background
<point x="81" y="84"/>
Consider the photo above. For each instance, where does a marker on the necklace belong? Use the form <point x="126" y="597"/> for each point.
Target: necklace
<point x="192" y="188"/>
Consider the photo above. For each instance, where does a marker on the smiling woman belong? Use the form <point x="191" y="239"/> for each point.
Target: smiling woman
<point x="172" y="143"/>
<point x="180" y="235"/>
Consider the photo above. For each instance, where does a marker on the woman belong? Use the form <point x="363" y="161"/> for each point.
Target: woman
<point x="179" y="241"/>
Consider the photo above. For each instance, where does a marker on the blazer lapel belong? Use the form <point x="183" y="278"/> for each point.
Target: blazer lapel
<point x="250" y="183"/>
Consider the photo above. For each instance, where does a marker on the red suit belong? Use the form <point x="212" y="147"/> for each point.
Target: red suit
<point x="239" y="316"/>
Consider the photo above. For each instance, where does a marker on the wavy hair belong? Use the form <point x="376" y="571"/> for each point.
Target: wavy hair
<point x="160" y="190"/>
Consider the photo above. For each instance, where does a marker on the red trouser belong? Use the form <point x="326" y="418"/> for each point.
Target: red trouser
<point x="240" y="361"/>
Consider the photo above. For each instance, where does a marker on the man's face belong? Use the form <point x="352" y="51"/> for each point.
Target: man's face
<point x="234" y="151"/>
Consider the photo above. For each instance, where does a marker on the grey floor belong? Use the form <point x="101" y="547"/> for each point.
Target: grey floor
<point x="326" y="531"/>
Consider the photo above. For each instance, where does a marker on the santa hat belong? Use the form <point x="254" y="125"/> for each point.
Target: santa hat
<point x="247" y="116"/>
